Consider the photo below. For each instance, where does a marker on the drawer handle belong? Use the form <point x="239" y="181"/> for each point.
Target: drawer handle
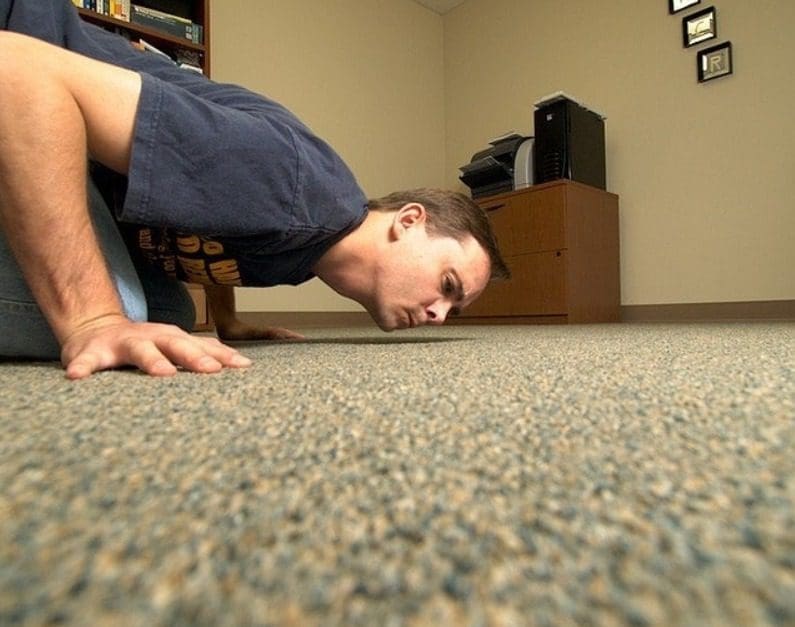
<point x="494" y="207"/>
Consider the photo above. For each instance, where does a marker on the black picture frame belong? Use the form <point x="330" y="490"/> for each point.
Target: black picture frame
<point x="674" y="6"/>
<point x="699" y="27"/>
<point x="715" y="62"/>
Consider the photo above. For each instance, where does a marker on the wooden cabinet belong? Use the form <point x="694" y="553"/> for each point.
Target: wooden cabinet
<point x="204" y="321"/>
<point x="560" y="240"/>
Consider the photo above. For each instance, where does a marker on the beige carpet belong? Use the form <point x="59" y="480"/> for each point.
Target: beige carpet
<point x="586" y="475"/>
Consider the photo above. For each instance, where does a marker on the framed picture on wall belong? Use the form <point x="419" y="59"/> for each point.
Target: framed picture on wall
<point x="699" y="27"/>
<point x="674" y="6"/>
<point x="715" y="62"/>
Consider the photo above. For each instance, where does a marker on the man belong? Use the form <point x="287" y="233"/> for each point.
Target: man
<point x="193" y="180"/>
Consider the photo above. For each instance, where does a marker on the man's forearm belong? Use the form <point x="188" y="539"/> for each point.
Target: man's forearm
<point x="57" y="109"/>
<point x="221" y="303"/>
<point x="45" y="215"/>
<point x="43" y="203"/>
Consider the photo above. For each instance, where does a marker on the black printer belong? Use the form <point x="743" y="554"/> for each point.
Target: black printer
<point x="505" y="166"/>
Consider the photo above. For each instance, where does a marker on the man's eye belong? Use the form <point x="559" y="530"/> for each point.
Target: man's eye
<point x="447" y="286"/>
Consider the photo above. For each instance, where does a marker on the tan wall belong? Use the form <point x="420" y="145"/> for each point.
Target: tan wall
<point x="705" y="172"/>
<point x="367" y="76"/>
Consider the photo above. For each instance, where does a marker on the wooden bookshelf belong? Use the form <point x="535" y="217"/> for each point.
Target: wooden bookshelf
<point x="197" y="11"/>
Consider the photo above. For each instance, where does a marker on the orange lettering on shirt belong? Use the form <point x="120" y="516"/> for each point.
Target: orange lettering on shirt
<point x="145" y="239"/>
<point x="194" y="269"/>
<point x="188" y="243"/>
<point x="225" y="272"/>
<point x="212" y="248"/>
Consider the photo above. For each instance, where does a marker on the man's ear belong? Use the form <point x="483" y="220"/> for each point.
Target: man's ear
<point x="408" y="216"/>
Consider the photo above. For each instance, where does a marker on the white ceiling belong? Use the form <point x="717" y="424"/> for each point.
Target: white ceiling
<point x="440" y="6"/>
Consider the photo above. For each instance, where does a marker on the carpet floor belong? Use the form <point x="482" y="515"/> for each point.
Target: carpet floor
<point x="636" y="474"/>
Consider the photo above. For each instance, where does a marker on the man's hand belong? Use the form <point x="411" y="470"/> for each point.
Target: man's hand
<point x="60" y="109"/>
<point x="157" y="349"/>
<point x="237" y="330"/>
<point x="221" y="300"/>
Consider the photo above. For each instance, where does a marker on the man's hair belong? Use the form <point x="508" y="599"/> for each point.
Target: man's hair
<point x="450" y="214"/>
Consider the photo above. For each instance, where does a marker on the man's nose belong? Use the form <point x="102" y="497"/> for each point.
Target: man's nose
<point x="437" y="313"/>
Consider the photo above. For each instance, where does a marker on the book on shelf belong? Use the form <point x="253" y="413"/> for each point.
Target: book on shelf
<point x="168" y="23"/>
<point x="174" y="25"/>
<point x="184" y="59"/>
<point x="147" y="47"/>
<point x="160" y="15"/>
<point x="118" y="9"/>
<point x="189" y="60"/>
<point x="191" y="68"/>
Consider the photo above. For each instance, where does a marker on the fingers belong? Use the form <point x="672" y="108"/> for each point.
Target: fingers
<point x="159" y="353"/>
<point x="88" y="361"/>
<point x="277" y="333"/>
<point x="163" y="353"/>
<point x="226" y="355"/>
<point x="82" y="366"/>
<point x="141" y="353"/>
<point x="190" y="354"/>
<point x="238" y="331"/>
<point x="146" y="355"/>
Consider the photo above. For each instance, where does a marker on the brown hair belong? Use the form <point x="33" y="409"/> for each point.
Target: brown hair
<point x="450" y="214"/>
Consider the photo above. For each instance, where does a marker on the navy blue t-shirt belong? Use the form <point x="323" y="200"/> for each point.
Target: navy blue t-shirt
<point x="224" y="185"/>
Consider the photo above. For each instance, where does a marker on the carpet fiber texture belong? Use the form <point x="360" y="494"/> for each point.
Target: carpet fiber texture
<point x="584" y="475"/>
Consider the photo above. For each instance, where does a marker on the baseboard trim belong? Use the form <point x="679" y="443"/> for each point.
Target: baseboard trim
<point x="706" y="312"/>
<point x="677" y="312"/>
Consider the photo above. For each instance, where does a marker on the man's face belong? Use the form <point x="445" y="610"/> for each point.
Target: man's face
<point x="423" y="279"/>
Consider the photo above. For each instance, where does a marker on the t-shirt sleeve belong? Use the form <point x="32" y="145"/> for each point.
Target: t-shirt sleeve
<point x="232" y="163"/>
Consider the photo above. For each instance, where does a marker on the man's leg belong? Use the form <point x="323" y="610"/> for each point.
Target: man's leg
<point x="167" y="299"/>
<point x="24" y="332"/>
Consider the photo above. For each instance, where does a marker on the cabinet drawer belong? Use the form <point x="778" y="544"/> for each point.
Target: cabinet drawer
<point x="529" y="222"/>
<point x="494" y="301"/>
<point x="539" y="283"/>
<point x="537" y="288"/>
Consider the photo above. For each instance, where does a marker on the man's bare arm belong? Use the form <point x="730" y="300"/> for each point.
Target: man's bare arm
<point x="57" y="109"/>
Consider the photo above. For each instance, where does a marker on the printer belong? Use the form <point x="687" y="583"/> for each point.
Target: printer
<point x="505" y="166"/>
